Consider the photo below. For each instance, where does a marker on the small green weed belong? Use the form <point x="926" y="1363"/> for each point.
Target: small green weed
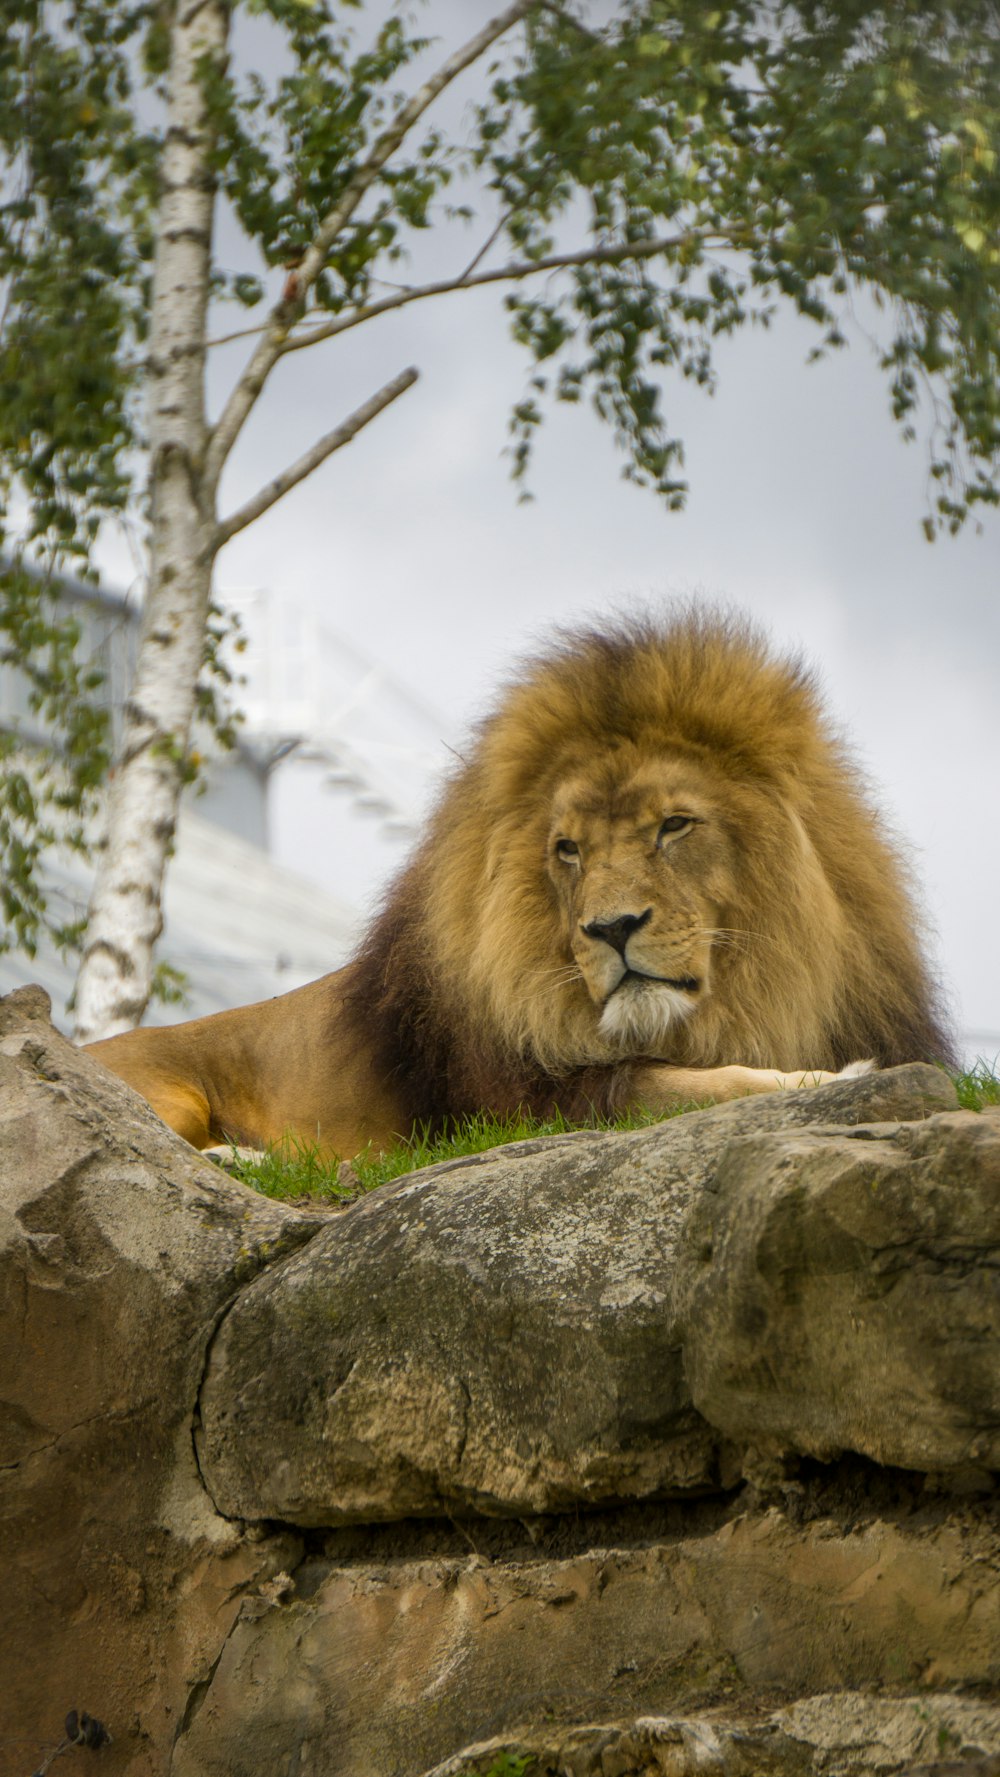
<point x="980" y="1086"/>
<point x="506" y="1764"/>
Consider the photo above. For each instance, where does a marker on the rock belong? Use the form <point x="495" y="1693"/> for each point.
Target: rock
<point x="387" y="1668"/>
<point x="845" y="1735"/>
<point x="496" y="1334"/>
<point x="119" y="1248"/>
<point x="837" y="1291"/>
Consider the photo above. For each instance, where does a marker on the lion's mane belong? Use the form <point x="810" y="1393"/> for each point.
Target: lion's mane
<point x="459" y="995"/>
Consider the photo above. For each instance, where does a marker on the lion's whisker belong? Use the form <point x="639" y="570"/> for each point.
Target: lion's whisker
<point x="726" y="937"/>
<point x="736" y="937"/>
<point x="565" y="972"/>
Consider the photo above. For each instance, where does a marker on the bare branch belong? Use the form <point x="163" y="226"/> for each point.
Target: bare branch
<point x="530" y="191"/>
<point x="284" y="315"/>
<point x="481" y="252"/>
<point x="323" y="448"/>
<point x="514" y="272"/>
<point x="226" y="339"/>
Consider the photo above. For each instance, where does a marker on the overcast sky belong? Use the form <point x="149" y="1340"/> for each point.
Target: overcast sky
<point x="804" y="510"/>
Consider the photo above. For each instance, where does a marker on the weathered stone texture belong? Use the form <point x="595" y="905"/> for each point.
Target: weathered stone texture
<point x="843" y="1735"/>
<point x="839" y="1291"/>
<point x="119" y="1248"/>
<point x="493" y="1335"/>
<point x="382" y="1672"/>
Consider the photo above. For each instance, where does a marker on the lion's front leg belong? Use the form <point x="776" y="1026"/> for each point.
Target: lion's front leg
<point x="658" y="1087"/>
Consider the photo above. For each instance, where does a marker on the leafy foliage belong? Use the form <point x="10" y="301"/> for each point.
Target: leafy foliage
<point x="75" y="241"/>
<point x="47" y="793"/>
<point x="76" y="238"/>
<point x="287" y="149"/>
<point x="709" y="160"/>
<point x="802" y="152"/>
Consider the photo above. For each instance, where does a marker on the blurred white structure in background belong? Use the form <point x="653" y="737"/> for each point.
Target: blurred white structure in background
<point x="239" y="923"/>
<point x="313" y="696"/>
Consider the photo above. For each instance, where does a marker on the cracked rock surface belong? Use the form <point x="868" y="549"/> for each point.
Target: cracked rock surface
<point x="385" y="1668"/>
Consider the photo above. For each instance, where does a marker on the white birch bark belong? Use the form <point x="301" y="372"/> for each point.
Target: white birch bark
<point x="124" y="918"/>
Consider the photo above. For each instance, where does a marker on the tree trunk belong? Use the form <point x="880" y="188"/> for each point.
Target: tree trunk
<point x="124" y="918"/>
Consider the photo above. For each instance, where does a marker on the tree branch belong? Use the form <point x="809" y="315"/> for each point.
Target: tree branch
<point x="517" y="271"/>
<point x="512" y="273"/>
<point x="530" y="191"/>
<point x="323" y="448"/>
<point x="284" y="315"/>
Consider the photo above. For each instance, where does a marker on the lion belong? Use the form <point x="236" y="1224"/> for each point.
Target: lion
<point x="656" y="880"/>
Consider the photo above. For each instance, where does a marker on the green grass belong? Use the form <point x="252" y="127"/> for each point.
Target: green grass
<point x="297" y="1170"/>
<point x="980" y="1086"/>
<point x="293" y="1169"/>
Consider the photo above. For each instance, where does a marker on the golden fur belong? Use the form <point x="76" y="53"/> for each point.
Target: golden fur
<point x="658" y="876"/>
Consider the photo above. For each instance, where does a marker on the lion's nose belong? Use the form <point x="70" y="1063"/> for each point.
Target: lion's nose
<point x="617" y="932"/>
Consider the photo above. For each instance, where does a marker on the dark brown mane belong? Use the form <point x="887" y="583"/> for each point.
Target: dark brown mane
<point x="439" y="1068"/>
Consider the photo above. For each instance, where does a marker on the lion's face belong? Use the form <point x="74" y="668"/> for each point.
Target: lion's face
<point x="643" y="867"/>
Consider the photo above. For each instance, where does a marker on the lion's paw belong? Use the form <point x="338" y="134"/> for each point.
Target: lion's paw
<point x="230" y="1157"/>
<point x="855" y="1068"/>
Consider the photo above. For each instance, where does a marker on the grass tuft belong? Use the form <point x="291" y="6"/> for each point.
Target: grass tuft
<point x="476" y="1135"/>
<point x="980" y="1086"/>
<point x="293" y="1168"/>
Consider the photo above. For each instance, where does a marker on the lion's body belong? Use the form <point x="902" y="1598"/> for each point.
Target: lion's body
<point x="658" y="860"/>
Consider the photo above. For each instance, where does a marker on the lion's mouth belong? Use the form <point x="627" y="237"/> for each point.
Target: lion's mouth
<point x="682" y="983"/>
<point x="643" y="1009"/>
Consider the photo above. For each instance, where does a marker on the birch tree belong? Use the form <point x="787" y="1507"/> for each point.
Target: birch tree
<point x="638" y="179"/>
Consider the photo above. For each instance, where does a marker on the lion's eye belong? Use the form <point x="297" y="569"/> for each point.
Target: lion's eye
<point x="567" y="851"/>
<point x="674" y="823"/>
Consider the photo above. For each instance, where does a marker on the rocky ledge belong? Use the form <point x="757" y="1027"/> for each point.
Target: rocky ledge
<point x="632" y="1453"/>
